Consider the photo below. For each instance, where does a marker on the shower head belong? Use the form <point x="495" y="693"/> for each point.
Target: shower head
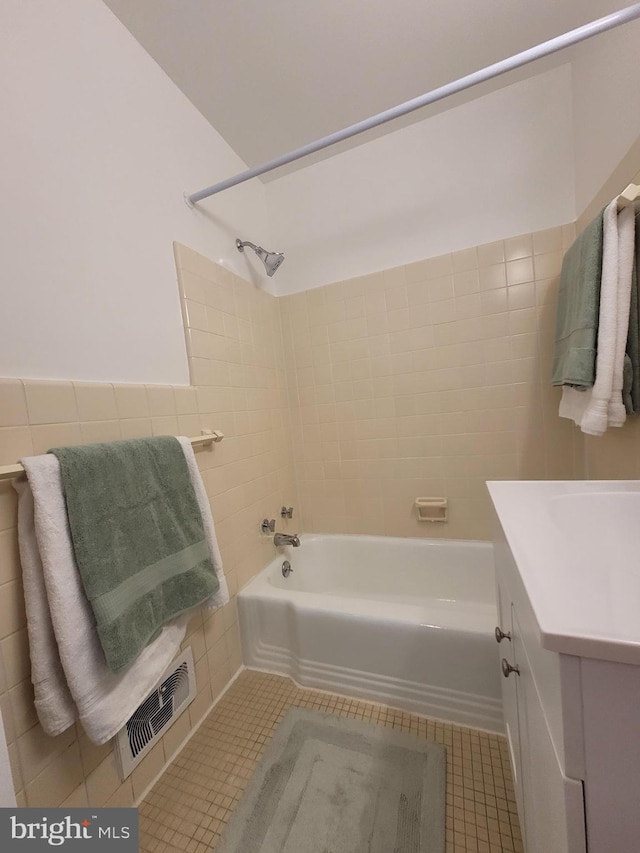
<point x="271" y="260"/>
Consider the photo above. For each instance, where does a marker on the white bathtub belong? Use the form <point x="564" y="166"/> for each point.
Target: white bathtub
<point x="405" y="622"/>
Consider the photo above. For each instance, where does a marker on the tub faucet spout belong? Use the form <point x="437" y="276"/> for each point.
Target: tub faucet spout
<point x="286" y="539"/>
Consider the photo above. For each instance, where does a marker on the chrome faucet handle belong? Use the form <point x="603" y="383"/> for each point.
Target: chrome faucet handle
<point x="286" y="512"/>
<point x="268" y="526"/>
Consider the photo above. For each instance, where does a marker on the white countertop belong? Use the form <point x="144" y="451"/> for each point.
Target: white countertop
<point x="577" y="547"/>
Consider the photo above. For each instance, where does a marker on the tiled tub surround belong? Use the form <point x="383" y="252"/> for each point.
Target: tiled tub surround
<point x="427" y="380"/>
<point x="247" y="476"/>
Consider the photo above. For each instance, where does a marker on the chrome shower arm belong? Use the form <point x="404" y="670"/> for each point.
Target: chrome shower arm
<point x="271" y="260"/>
<point x="240" y="244"/>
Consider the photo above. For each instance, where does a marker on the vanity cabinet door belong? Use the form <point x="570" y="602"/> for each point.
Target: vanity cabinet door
<point x="553" y="818"/>
<point x="510" y="698"/>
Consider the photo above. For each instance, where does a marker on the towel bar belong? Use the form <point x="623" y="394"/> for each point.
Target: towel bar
<point x="8" y="472"/>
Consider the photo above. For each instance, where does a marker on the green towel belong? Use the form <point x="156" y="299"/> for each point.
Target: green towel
<point x="138" y="538"/>
<point x="574" y="361"/>
<point x="631" y="387"/>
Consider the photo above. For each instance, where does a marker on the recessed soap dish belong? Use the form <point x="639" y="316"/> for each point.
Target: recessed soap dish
<point x="432" y="509"/>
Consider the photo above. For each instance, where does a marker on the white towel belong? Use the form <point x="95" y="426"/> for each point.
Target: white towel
<point x="573" y="403"/>
<point x="53" y="700"/>
<point x="69" y="671"/>
<point x="595" y="417"/>
<point x="617" y="414"/>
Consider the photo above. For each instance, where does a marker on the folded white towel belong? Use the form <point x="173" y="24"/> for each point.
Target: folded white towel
<point x="71" y="677"/>
<point x="617" y="414"/>
<point x="53" y="700"/>
<point x="596" y="415"/>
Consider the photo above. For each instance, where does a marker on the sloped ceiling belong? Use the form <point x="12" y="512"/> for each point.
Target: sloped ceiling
<point x="271" y="76"/>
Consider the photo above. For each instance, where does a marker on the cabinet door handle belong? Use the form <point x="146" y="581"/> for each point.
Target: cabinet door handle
<point x="507" y="669"/>
<point x="502" y="635"/>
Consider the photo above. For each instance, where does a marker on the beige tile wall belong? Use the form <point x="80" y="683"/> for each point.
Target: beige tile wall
<point x="237" y="363"/>
<point x="427" y="380"/>
<point x="614" y="455"/>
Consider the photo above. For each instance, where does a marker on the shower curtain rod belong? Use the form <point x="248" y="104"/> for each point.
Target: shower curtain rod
<point x="616" y="19"/>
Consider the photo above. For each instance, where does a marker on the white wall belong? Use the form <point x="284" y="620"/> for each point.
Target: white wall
<point x="97" y="148"/>
<point x="492" y="168"/>
<point x="606" y="87"/>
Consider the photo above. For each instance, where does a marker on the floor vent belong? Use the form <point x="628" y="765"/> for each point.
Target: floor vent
<point x="152" y="718"/>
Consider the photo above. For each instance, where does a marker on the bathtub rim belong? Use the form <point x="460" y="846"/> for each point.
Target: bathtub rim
<point x="466" y="615"/>
<point x="486" y="544"/>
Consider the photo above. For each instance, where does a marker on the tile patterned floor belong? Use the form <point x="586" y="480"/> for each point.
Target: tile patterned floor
<point x="189" y="806"/>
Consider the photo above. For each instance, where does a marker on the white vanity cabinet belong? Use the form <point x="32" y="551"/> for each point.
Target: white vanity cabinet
<point x="572" y="715"/>
<point x="550" y="803"/>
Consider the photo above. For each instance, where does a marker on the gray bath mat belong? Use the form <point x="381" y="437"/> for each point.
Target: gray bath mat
<point x="333" y="785"/>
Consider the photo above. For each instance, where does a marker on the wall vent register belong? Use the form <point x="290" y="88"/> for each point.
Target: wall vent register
<point x="153" y="717"/>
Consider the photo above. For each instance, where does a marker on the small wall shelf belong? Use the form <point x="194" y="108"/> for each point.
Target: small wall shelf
<point x="432" y="509"/>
